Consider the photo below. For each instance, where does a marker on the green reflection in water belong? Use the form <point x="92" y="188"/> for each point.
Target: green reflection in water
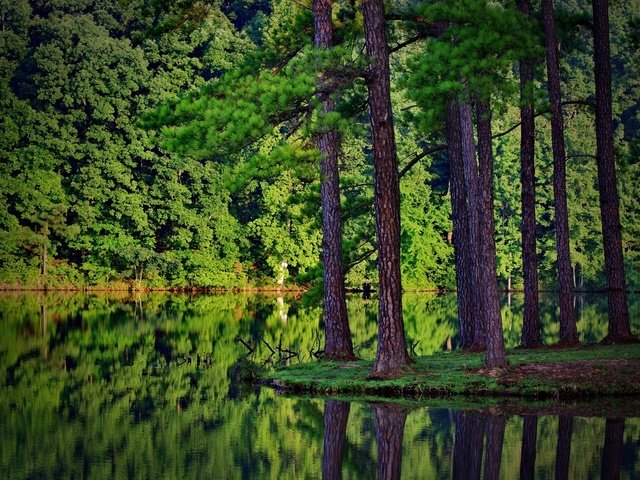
<point x="106" y="386"/>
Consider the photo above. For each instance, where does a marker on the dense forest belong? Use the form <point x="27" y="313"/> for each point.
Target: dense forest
<point x="175" y="146"/>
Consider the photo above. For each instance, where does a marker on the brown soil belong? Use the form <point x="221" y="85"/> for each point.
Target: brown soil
<point x="600" y="373"/>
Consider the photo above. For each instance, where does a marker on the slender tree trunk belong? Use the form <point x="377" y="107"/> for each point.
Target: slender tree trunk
<point x="464" y="284"/>
<point x="528" y="453"/>
<point x="563" y="449"/>
<point x="473" y="216"/>
<point x="495" y="425"/>
<point x="336" y="416"/>
<point x="613" y="446"/>
<point x="390" y="420"/>
<point x="338" y="343"/>
<point x="568" y="329"/>
<point x="619" y="327"/>
<point x="496" y="356"/>
<point x="44" y="260"/>
<point x="530" y="327"/>
<point x="391" y="356"/>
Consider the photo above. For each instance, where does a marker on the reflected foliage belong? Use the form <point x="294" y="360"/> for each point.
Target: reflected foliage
<point x="108" y="386"/>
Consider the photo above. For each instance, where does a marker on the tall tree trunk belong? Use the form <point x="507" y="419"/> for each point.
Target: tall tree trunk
<point x="464" y="284"/>
<point x="336" y="416"/>
<point x="473" y="216"/>
<point x="530" y="326"/>
<point x="528" y="453"/>
<point x="495" y="425"/>
<point x="391" y="356"/>
<point x="390" y="420"/>
<point x="563" y="448"/>
<point x="619" y="327"/>
<point x="338" y="343"/>
<point x="612" y="450"/>
<point x="568" y="329"/>
<point x="496" y="356"/>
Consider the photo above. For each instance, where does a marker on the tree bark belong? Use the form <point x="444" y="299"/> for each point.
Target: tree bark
<point x="470" y="169"/>
<point x="460" y="221"/>
<point x="496" y="356"/>
<point x="390" y="420"/>
<point x="568" y="329"/>
<point x="563" y="449"/>
<point x="612" y="450"/>
<point x="336" y="416"/>
<point x="495" y="425"/>
<point x="619" y="327"/>
<point x="391" y="356"/>
<point x="530" y="326"/>
<point x="338" y="344"/>
<point x="528" y="454"/>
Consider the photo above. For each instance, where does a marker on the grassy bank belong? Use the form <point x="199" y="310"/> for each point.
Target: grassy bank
<point x="585" y="372"/>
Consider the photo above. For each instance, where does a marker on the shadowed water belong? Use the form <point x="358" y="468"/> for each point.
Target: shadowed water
<point x="120" y="386"/>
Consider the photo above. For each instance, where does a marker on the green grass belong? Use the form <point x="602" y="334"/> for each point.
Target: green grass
<point x="453" y="374"/>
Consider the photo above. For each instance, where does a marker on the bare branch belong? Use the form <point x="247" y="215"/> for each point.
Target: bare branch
<point x="420" y="156"/>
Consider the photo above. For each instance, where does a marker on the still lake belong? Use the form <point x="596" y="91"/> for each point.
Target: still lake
<point x="148" y="386"/>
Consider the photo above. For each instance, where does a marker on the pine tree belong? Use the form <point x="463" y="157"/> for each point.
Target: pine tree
<point x="568" y="329"/>
<point x="338" y="343"/>
<point x="391" y="356"/>
<point x="619" y="327"/>
<point x="464" y="281"/>
<point x="530" y="326"/>
<point x="470" y="171"/>
<point x="495" y="356"/>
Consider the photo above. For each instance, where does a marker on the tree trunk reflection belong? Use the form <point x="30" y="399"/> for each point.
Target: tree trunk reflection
<point x="528" y="455"/>
<point x="389" y="432"/>
<point x="467" y="448"/>
<point x="495" y="425"/>
<point x="563" y="449"/>
<point x="336" y="415"/>
<point x="612" y="451"/>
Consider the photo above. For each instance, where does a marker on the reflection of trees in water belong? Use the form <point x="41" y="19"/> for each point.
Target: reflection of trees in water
<point x="494" y="425"/>
<point x="390" y="420"/>
<point x="469" y="442"/>
<point x="563" y="449"/>
<point x="529" y="440"/>
<point x="95" y="377"/>
<point x="467" y="450"/>
<point x="612" y="450"/>
<point x="336" y="415"/>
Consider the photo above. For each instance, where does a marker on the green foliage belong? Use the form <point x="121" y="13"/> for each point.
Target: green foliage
<point x="474" y="56"/>
<point x="170" y="144"/>
<point x="111" y="373"/>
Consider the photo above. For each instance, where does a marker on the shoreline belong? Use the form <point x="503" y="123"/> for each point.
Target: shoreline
<point x="586" y="372"/>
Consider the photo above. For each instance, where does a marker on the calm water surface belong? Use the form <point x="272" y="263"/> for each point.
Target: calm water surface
<point x="108" y="386"/>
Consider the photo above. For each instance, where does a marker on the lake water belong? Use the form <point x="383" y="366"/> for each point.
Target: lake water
<point x="147" y="386"/>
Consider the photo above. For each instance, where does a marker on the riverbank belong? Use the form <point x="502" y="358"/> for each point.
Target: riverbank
<point x="585" y="372"/>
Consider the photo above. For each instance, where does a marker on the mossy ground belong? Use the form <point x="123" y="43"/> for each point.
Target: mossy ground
<point x="583" y="372"/>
